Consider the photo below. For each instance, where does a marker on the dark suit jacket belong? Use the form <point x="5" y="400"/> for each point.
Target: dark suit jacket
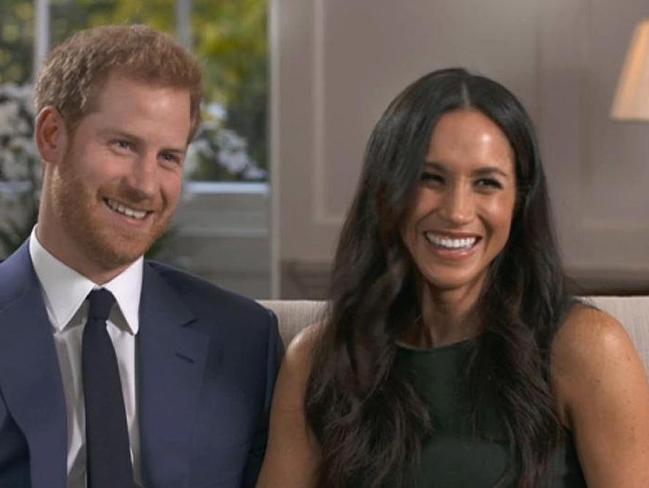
<point x="206" y="365"/>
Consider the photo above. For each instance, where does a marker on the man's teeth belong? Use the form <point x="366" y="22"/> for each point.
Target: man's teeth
<point x="448" y="243"/>
<point x="129" y="212"/>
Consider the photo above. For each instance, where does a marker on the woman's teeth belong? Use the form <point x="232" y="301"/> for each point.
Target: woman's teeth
<point x="448" y="243"/>
<point x="129" y="212"/>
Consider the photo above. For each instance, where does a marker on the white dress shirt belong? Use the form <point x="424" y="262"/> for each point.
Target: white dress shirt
<point x="64" y="293"/>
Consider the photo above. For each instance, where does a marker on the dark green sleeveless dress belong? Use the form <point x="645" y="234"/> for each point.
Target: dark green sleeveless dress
<point x="456" y="457"/>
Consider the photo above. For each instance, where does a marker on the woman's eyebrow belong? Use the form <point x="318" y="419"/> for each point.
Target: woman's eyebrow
<point x="490" y="170"/>
<point x="482" y="171"/>
<point x="434" y="165"/>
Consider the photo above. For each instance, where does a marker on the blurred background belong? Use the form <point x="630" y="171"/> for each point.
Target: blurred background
<point x="222" y="228"/>
<point x="294" y="88"/>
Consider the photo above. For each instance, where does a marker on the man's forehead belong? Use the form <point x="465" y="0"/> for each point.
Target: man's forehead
<point x="130" y="105"/>
<point x="120" y="81"/>
<point x="127" y="95"/>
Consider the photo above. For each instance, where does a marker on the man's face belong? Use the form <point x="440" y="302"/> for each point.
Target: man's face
<point x="116" y="188"/>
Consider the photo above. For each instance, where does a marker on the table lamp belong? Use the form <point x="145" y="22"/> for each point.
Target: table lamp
<point x="631" y="100"/>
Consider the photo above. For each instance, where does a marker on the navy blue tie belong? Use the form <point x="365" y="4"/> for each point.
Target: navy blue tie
<point x="108" y="461"/>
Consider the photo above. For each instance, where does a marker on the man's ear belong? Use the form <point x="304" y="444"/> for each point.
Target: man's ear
<point x="51" y="135"/>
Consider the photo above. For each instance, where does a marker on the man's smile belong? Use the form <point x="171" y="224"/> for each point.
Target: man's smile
<point x="127" y="211"/>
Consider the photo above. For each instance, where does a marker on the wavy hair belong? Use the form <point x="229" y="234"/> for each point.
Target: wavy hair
<point x="76" y="71"/>
<point x="368" y="417"/>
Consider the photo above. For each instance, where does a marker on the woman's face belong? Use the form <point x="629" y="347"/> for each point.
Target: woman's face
<point x="464" y="202"/>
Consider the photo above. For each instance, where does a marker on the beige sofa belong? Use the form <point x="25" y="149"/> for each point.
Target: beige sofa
<point x="632" y="312"/>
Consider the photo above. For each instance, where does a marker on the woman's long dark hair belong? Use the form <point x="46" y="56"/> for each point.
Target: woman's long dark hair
<point x="369" y="419"/>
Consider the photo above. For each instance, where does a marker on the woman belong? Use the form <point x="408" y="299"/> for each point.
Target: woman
<point x="452" y="355"/>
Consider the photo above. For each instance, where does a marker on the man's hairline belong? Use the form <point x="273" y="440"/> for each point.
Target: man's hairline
<point x="92" y="105"/>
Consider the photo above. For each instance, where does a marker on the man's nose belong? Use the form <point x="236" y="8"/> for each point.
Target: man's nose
<point x="142" y="178"/>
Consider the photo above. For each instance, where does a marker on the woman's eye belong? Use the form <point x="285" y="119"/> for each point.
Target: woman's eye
<point x="489" y="183"/>
<point x="432" y="178"/>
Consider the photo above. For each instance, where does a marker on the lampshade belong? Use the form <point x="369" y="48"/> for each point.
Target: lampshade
<point x="632" y="96"/>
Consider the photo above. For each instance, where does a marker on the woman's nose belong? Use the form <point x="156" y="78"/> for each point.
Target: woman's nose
<point x="458" y="206"/>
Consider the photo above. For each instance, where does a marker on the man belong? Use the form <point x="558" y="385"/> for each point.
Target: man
<point x="159" y="378"/>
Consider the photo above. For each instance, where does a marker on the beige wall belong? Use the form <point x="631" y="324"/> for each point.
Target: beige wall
<point x="337" y="63"/>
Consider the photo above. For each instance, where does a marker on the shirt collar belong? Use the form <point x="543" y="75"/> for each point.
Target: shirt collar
<point x="65" y="290"/>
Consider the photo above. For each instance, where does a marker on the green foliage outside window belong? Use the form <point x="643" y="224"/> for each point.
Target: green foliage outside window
<point x="229" y="36"/>
<point x="16" y="41"/>
<point x="230" y="39"/>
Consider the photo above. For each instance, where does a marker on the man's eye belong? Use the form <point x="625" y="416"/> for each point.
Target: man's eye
<point x="171" y="158"/>
<point x="122" y="144"/>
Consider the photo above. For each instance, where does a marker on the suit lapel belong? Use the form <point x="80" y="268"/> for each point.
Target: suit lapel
<point x="30" y="379"/>
<point x="171" y="362"/>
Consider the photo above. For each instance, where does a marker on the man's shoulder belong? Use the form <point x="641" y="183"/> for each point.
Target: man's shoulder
<point x="16" y="275"/>
<point x="202" y="295"/>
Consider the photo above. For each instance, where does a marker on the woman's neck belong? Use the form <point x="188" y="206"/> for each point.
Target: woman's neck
<point x="447" y="316"/>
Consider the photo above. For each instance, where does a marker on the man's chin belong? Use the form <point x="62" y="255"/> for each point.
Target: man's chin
<point x="112" y="247"/>
<point x="116" y="256"/>
<point x="112" y="261"/>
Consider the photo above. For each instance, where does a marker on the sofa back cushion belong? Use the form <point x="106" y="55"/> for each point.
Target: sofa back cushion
<point x="632" y="312"/>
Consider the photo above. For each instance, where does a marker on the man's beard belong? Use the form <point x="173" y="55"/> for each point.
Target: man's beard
<point x="80" y="214"/>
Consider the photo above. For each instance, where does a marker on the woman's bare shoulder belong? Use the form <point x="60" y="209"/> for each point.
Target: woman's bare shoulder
<point x="591" y="352"/>
<point x="602" y="394"/>
<point x="292" y="455"/>
<point x="296" y="367"/>
<point x="587" y="336"/>
<point x="300" y="350"/>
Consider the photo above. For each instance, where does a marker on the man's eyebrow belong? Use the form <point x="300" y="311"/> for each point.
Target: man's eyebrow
<point x="114" y="132"/>
<point x="175" y="150"/>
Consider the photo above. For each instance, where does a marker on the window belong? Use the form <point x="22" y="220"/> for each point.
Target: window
<point x="227" y="163"/>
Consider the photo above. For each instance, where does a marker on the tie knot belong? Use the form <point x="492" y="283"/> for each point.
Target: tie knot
<point x="101" y="301"/>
